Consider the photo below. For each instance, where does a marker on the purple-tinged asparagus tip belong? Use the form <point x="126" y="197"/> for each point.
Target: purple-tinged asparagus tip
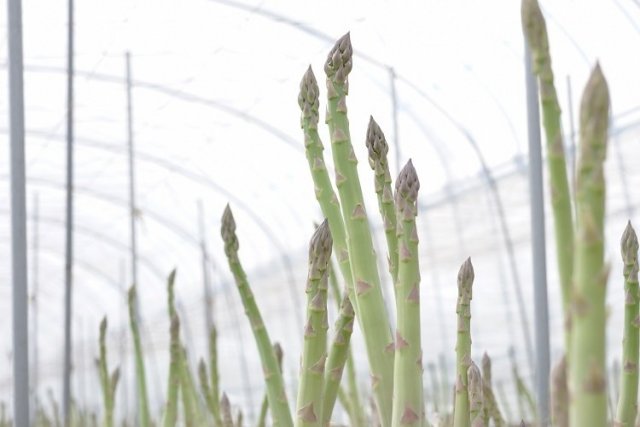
<point x="629" y="245"/>
<point x="228" y="232"/>
<point x="377" y="146"/>
<point x="339" y="61"/>
<point x="408" y="184"/>
<point x="103" y="325"/>
<point x="466" y="273"/>
<point x="320" y="250"/>
<point x="594" y="108"/>
<point x="308" y="96"/>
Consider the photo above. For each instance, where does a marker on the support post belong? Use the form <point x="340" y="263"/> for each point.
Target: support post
<point x="34" y="304"/>
<point x="536" y="201"/>
<point x="68" y="259"/>
<point x="18" y="217"/>
<point x="394" y="111"/>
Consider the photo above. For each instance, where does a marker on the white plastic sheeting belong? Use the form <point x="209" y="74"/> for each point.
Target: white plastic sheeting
<point x="216" y="119"/>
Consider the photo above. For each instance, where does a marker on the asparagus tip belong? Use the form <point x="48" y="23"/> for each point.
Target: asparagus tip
<point x="103" y="325"/>
<point x="466" y="273"/>
<point x="308" y="96"/>
<point x="339" y="61"/>
<point x="228" y="231"/>
<point x="533" y="23"/>
<point x="175" y="324"/>
<point x="408" y="184"/>
<point x="376" y="144"/>
<point x="320" y="249"/>
<point x="594" y="108"/>
<point x="629" y="245"/>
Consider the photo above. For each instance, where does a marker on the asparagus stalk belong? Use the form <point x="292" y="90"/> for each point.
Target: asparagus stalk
<point x="559" y="394"/>
<point x="378" y="149"/>
<point x="213" y="371"/>
<point x="143" y="402"/>
<point x="262" y="418"/>
<point x="338" y="355"/>
<point x="314" y="353"/>
<point x="627" y="403"/>
<point x="173" y="385"/>
<point x="239" y="417"/>
<point x="273" y="378"/>
<point x="535" y="30"/>
<point x="407" y="378"/>
<point x="225" y="408"/>
<point x="329" y="204"/>
<point x="107" y="382"/>
<point x="476" y="403"/>
<point x="463" y="345"/>
<point x="587" y="387"/>
<point x="351" y="397"/>
<point x="205" y="388"/>
<point x="369" y="305"/>
<point x="491" y="409"/>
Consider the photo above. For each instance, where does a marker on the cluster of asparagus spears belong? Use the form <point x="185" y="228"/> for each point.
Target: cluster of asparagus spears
<point x="579" y="395"/>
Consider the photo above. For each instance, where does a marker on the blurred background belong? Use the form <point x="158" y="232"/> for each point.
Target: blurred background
<point x="215" y="120"/>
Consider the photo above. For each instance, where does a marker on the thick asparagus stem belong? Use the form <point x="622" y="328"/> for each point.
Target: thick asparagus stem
<point x="627" y="403"/>
<point x="407" y="369"/>
<point x="559" y="394"/>
<point x="314" y="353"/>
<point x="338" y="355"/>
<point x="476" y="402"/>
<point x="170" y="415"/>
<point x="463" y="344"/>
<point x="491" y="408"/>
<point x="143" y="402"/>
<point x="329" y="203"/>
<point x="535" y="30"/>
<point x="370" y="308"/>
<point x="587" y="384"/>
<point x="273" y="378"/>
<point x="378" y="149"/>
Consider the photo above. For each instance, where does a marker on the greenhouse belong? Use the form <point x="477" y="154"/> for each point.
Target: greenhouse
<point x="237" y="213"/>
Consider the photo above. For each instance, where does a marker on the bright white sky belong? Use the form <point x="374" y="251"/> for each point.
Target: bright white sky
<point x="216" y="119"/>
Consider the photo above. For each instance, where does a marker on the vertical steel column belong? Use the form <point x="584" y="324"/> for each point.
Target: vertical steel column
<point x="68" y="261"/>
<point x="34" y="305"/>
<point x="18" y="217"/>
<point x="536" y="201"/>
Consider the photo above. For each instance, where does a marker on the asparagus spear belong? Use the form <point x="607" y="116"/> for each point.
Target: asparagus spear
<point x="476" y="402"/>
<point x="463" y="344"/>
<point x="329" y="203"/>
<point x="627" y="403"/>
<point x="337" y="357"/>
<point x="262" y="417"/>
<point x="559" y="394"/>
<point x="173" y="385"/>
<point x="370" y="308"/>
<point x="378" y="149"/>
<point x="407" y="378"/>
<point x="273" y="378"/>
<point x="314" y="353"/>
<point x="213" y="371"/>
<point x="107" y="382"/>
<point x="225" y="408"/>
<point x="588" y="403"/>
<point x="491" y="409"/>
<point x="143" y="402"/>
<point x="535" y="30"/>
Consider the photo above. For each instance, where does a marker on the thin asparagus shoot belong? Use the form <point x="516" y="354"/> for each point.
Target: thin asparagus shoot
<point x="276" y="393"/>
<point x="461" y="416"/>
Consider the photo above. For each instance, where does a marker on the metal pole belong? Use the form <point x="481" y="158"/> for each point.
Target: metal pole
<point x="124" y="360"/>
<point x="541" y="312"/>
<point x="68" y="264"/>
<point x="18" y="217"/>
<point x="132" y="197"/>
<point x="394" y="110"/>
<point x="34" y="306"/>
<point x="206" y="280"/>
